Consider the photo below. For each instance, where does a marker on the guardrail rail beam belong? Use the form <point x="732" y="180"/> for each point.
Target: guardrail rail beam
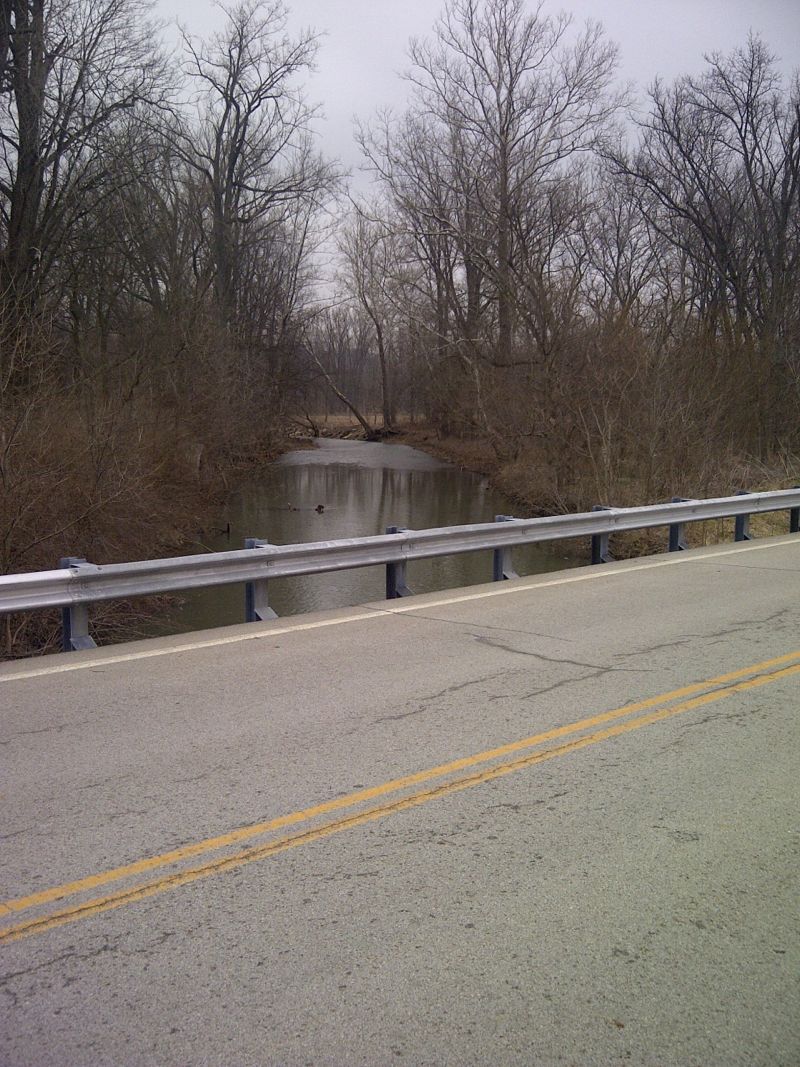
<point x="76" y="584"/>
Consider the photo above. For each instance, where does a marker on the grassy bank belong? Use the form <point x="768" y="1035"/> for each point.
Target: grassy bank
<point x="524" y="482"/>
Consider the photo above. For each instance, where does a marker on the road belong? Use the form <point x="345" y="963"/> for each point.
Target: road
<point x="552" y="821"/>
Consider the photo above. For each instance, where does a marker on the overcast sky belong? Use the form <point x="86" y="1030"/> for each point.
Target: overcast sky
<point x="364" y="44"/>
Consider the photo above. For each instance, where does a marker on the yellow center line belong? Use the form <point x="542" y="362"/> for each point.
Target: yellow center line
<point x="245" y="833"/>
<point x="257" y="852"/>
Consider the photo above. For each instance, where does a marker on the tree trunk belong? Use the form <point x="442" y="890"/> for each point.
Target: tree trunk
<point x="368" y="430"/>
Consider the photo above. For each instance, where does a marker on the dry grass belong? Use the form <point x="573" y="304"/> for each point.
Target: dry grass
<point x="534" y="490"/>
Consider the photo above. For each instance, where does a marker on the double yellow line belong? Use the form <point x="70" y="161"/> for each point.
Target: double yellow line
<point x="73" y="900"/>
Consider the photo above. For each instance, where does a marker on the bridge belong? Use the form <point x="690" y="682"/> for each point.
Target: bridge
<point x="547" y="820"/>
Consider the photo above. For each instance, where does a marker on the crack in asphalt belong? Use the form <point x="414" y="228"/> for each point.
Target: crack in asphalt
<point x="80" y="957"/>
<point x="430" y="699"/>
<point x="220" y="767"/>
<point x="493" y="643"/>
<point x="466" y="685"/>
<point x="599" y="672"/>
<point x="64" y="957"/>
<point x="113" y="780"/>
<point x="17" y="833"/>
<point x="471" y="625"/>
<point x="403" y="715"/>
<point x="56" y="728"/>
<point x="685" y="639"/>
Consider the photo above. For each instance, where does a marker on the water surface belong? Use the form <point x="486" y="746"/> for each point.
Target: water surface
<point x="361" y="488"/>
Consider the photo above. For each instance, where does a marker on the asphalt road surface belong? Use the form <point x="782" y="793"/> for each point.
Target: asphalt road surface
<point x="552" y="821"/>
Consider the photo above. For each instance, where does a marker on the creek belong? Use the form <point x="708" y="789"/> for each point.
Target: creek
<point x="351" y="489"/>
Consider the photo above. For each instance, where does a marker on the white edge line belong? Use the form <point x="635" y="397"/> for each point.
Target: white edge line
<point x="504" y="589"/>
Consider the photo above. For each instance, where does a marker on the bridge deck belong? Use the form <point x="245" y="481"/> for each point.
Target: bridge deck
<point x="549" y="821"/>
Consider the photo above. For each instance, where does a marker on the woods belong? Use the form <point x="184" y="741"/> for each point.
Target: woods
<point x="611" y="302"/>
<point x="604" y="291"/>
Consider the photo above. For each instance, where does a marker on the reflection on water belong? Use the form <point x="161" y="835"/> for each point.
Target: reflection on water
<point x="361" y="488"/>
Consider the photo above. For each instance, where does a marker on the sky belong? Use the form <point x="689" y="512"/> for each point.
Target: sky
<point x="364" y="47"/>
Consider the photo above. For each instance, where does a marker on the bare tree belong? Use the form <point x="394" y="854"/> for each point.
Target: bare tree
<point x="520" y="101"/>
<point x="76" y="69"/>
<point x="6" y="26"/>
<point x="504" y="103"/>
<point x="336" y="345"/>
<point x="253" y="150"/>
<point x="718" y="170"/>
<point x="624" y="252"/>
<point x="370" y="257"/>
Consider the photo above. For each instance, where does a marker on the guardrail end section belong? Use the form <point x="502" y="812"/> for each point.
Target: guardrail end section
<point x="256" y="593"/>
<point x="75" y="634"/>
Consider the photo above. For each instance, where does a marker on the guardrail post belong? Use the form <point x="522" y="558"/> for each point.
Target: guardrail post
<point x="256" y="593"/>
<point x="741" y="530"/>
<point x="677" y="540"/>
<point x="600" y="551"/>
<point x="75" y="617"/>
<point x="396" y="586"/>
<point x="794" y="518"/>
<point x="502" y="560"/>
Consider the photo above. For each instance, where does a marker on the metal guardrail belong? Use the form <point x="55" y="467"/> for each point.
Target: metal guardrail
<point x="78" y="583"/>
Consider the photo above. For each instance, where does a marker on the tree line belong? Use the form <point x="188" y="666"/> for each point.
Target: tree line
<point x="608" y="292"/>
<point x="604" y="290"/>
